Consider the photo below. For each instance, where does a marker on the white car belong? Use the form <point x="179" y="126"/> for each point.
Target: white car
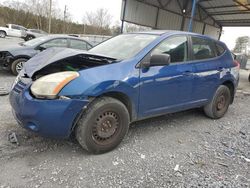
<point x="32" y="33"/>
<point x="11" y="30"/>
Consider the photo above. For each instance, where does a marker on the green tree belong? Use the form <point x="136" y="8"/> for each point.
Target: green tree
<point x="242" y="44"/>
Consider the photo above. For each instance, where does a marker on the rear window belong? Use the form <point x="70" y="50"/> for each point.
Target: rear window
<point x="220" y="49"/>
<point x="203" y="48"/>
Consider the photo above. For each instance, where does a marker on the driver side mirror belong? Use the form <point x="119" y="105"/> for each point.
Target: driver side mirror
<point x="157" y="60"/>
<point x="41" y="48"/>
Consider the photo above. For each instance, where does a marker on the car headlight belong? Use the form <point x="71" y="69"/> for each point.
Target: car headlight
<point x="16" y="81"/>
<point x="50" y="85"/>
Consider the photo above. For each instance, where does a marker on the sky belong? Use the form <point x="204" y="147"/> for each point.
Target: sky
<point x="78" y="8"/>
<point x="230" y="34"/>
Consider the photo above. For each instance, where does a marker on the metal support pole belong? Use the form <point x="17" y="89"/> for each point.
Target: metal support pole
<point x="190" y="28"/>
<point x="123" y="14"/>
<point x="221" y="30"/>
<point x="50" y="5"/>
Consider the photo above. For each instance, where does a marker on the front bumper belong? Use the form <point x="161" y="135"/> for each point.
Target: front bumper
<point x="48" y="118"/>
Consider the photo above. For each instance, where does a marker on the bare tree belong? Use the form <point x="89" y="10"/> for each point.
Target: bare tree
<point x="41" y="9"/>
<point x="19" y="6"/>
<point x="101" y="19"/>
<point x="134" y="28"/>
<point x="242" y="45"/>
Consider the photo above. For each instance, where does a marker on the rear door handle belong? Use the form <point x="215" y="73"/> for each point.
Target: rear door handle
<point x="187" y="73"/>
<point x="220" y="69"/>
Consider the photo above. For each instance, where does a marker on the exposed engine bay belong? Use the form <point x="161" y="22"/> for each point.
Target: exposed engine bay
<point x="74" y="63"/>
<point x="56" y="60"/>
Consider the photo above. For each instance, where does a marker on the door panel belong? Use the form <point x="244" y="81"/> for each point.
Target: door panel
<point x="15" y="31"/>
<point x="166" y="88"/>
<point x="206" y="69"/>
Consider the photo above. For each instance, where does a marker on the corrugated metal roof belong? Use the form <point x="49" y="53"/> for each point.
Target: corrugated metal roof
<point x="228" y="12"/>
<point x="210" y="15"/>
<point x="222" y="12"/>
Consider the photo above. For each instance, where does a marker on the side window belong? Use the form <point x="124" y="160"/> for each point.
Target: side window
<point x="56" y="43"/>
<point x="15" y="27"/>
<point x="203" y="48"/>
<point x="78" y="44"/>
<point x="176" y="47"/>
<point x="220" y="49"/>
<point x="34" y="31"/>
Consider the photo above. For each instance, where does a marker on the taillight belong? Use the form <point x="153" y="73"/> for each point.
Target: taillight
<point x="236" y="63"/>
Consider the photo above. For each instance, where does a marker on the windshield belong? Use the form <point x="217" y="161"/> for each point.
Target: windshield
<point x="123" y="46"/>
<point x="35" y="41"/>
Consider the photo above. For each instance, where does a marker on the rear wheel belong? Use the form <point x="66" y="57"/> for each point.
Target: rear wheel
<point x="29" y="37"/>
<point x="103" y="125"/>
<point x="17" y="65"/>
<point x="219" y="104"/>
<point x="2" y="34"/>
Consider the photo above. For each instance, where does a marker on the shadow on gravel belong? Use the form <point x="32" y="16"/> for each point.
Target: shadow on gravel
<point x="6" y="73"/>
<point x="32" y="144"/>
<point x="153" y="122"/>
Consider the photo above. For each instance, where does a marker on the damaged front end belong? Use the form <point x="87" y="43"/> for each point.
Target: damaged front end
<point x="54" y="68"/>
<point x="5" y="60"/>
<point x="35" y="98"/>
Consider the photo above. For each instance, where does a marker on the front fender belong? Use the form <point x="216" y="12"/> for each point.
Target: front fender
<point x="79" y="90"/>
<point x="110" y="86"/>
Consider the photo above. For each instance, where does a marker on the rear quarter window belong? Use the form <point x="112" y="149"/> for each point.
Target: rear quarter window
<point x="220" y="49"/>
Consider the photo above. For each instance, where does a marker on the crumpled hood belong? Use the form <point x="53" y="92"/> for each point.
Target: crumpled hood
<point x="49" y="56"/>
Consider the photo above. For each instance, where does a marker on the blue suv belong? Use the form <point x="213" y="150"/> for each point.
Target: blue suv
<point x="97" y="94"/>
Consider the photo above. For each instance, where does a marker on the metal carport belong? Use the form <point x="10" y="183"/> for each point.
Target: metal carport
<point x="201" y="16"/>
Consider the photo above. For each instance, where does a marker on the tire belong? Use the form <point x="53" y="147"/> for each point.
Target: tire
<point x="2" y="34"/>
<point x="17" y="65"/>
<point x="103" y="125"/>
<point x="219" y="104"/>
<point x="29" y="37"/>
<point x="249" y="78"/>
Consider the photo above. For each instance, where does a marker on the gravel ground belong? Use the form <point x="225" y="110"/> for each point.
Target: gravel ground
<point x="184" y="149"/>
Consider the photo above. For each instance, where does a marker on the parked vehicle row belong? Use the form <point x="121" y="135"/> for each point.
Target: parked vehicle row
<point x="14" y="58"/>
<point x="96" y="94"/>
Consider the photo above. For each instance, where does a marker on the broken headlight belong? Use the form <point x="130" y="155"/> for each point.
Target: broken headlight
<point x="50" y="85"/>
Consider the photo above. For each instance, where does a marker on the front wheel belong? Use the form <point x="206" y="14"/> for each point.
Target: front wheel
<point x="2" y="34"/>
<point x="219" y="104"/>
<point x="103" y="126"/>
<point x="17" y="65"/>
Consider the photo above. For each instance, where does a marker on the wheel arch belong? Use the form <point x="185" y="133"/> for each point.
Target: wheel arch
<point x="4" y="32"/>
<point x="125" y="100"/>
<point x="231" y="87"/>
<point x="21" y="56"/>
